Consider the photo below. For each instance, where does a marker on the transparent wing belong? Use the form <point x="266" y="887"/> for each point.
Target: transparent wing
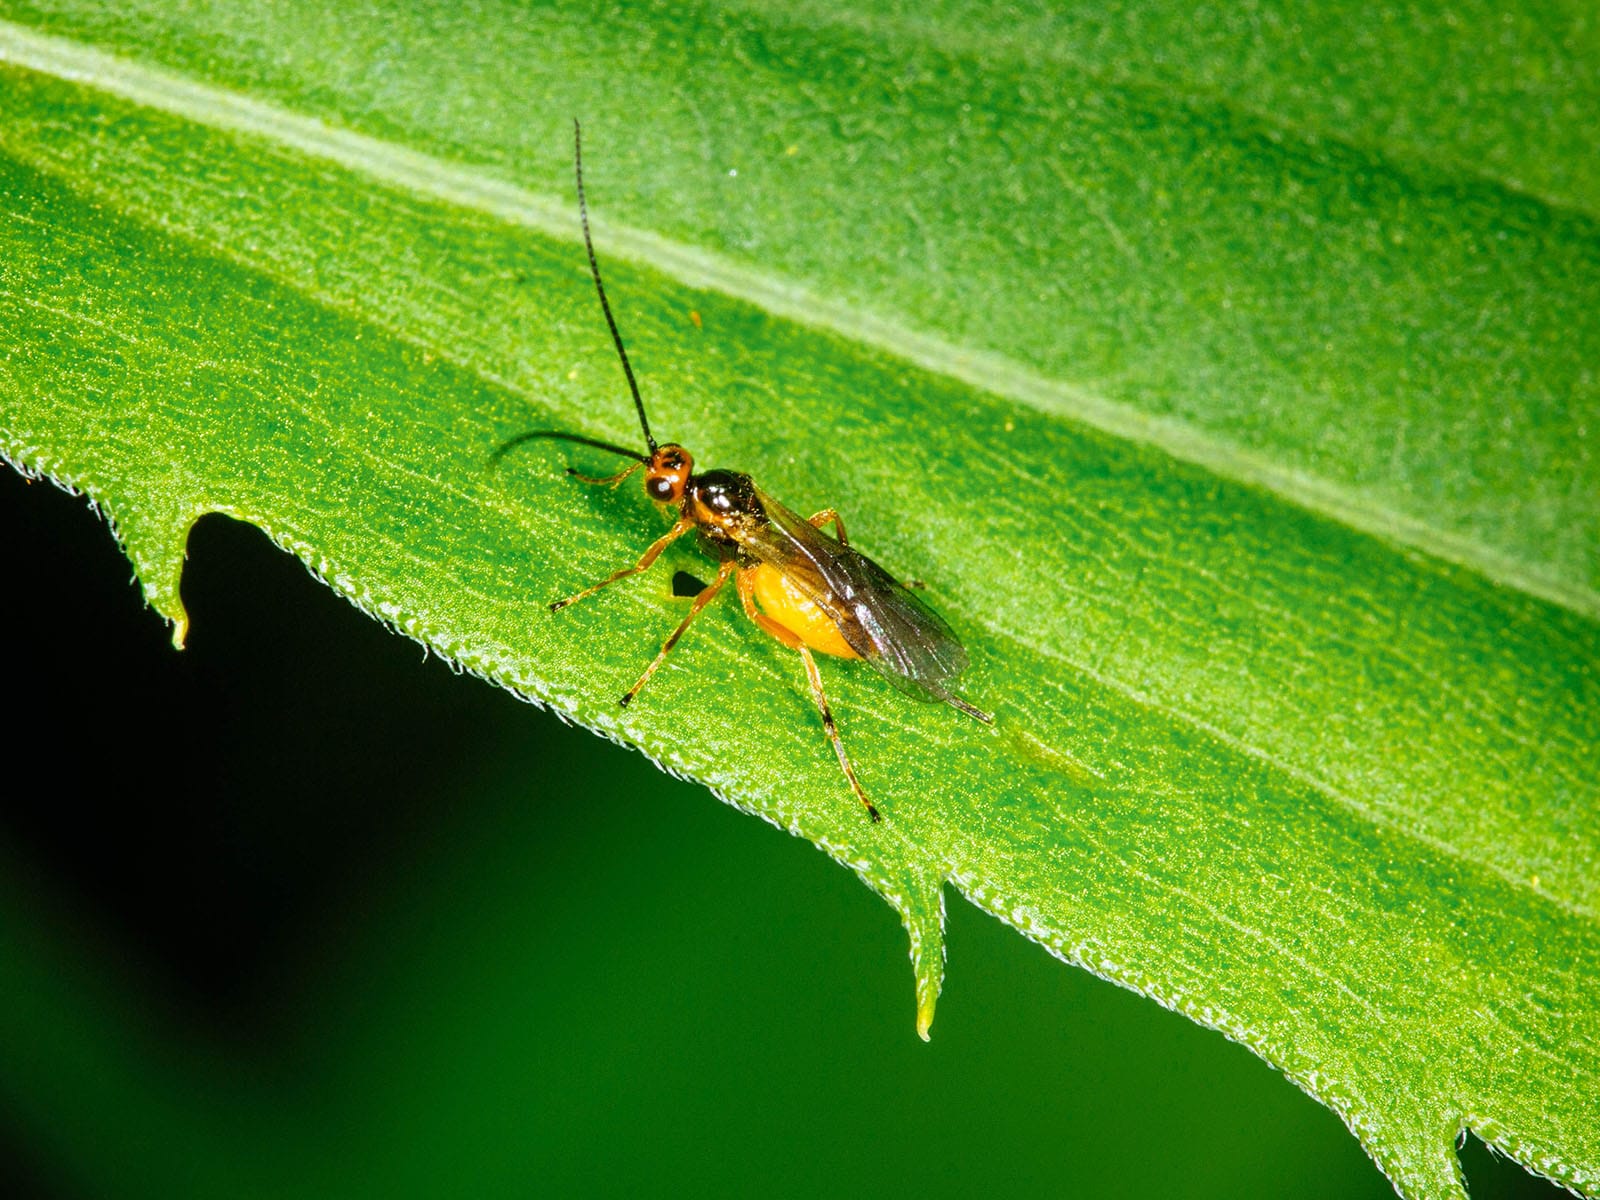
<point x="905" y="640"/>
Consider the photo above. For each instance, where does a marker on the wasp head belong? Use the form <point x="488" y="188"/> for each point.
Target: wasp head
<point x="666" y="473"/>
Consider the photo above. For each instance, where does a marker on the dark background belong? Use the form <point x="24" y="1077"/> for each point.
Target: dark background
<point x="301" y="911"/>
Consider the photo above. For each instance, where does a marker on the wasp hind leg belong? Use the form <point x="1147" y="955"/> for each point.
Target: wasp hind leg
<point x="830" y="516"/>
<point x="815" y="676"/>
<point x="787" y="637"/>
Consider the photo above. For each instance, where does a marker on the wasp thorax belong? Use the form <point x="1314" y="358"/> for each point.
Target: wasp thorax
<point x="722" y="499"/>
<point x="667" y="473"/>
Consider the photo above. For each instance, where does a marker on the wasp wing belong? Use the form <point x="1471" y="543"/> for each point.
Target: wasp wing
<point x="900" y="636"/>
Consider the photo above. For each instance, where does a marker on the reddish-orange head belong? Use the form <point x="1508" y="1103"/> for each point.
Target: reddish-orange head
<point x="666" y="473"/>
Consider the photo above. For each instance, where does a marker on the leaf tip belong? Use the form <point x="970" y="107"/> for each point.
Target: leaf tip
<point x="923" y="913"/>
<point x="917" y="893"/>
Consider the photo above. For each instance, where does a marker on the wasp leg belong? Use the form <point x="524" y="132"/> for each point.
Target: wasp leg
<point x="831" y="516"/>
<point x="649" y="556"/>
<point x="833" y="733"/>
<point x="612" y="480"/>
<point x="700" y="601"/>
<point x="747" y="598"/>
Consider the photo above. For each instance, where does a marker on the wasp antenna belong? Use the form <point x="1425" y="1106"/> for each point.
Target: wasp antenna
<point x="506" y="447"/>
<point x="594" y="269"/>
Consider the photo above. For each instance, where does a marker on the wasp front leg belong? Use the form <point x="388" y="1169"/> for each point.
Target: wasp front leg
<point x="606" y="480"/>
<point x="645" y="561"/>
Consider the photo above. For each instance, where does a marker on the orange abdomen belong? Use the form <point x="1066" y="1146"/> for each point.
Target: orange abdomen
<point x="786" y="604"/>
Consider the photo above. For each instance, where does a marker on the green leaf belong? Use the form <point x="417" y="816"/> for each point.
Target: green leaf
<point x="1247" y="444"/>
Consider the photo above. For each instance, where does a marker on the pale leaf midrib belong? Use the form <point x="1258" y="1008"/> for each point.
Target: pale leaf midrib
<point x="474" y="190"/>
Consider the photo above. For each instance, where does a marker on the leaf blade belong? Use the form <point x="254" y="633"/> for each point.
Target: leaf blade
<point x="1200" y="650"/>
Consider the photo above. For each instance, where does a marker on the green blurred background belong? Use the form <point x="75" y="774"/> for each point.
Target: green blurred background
<point x="301" y="912"/>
